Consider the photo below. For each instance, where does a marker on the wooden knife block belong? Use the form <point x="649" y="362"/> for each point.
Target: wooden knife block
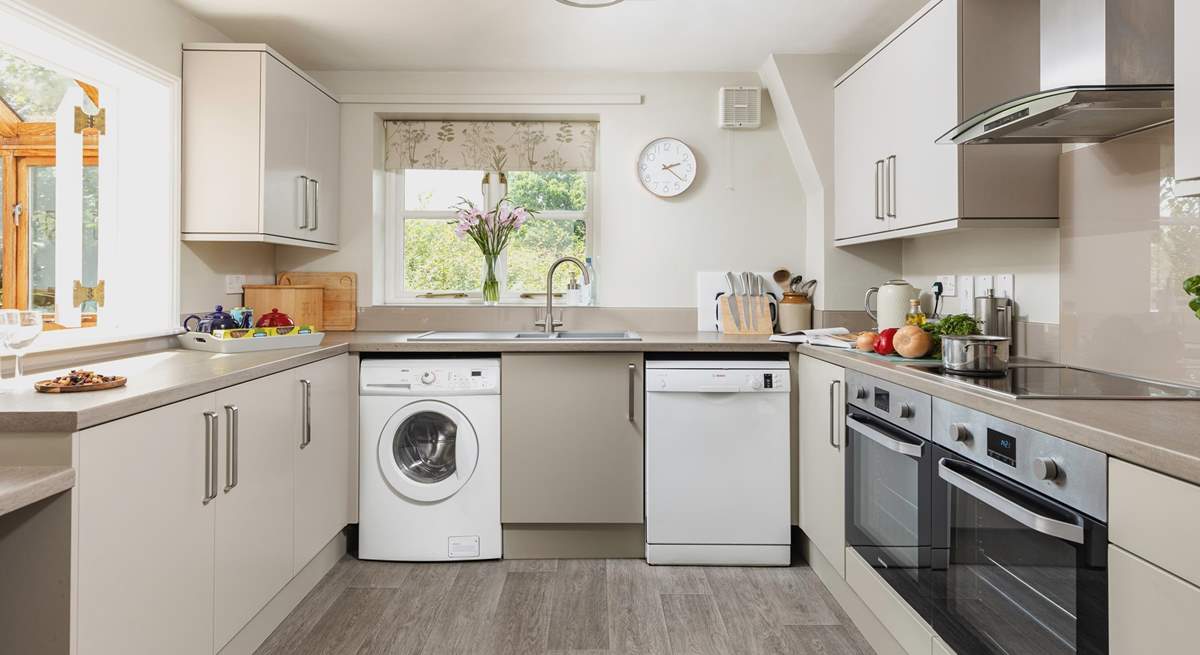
<point x="757" y="307"/>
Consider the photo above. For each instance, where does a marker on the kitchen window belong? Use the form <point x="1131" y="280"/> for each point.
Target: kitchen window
<point x="425" y="261"/>
<point x="82" y="245"/>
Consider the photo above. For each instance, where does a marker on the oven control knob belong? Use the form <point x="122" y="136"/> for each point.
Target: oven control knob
<point x="860" y="393"/>
<point x="959" y="432"/>
<point x="1045" y="468"/>
<point x="428" y="377"/>
<point x="906" y="411"/>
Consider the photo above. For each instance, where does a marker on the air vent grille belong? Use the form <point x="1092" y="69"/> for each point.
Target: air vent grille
<point x="741" y="107"/>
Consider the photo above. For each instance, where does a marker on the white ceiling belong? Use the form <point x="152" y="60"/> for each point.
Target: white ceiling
<point x="542" y="35"/>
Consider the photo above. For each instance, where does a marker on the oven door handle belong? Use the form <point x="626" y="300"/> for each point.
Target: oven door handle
<point x="1071" y="532"/>
<point x="889" y="442"/>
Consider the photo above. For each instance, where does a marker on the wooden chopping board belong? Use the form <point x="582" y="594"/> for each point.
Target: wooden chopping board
<point x="341" y="296"/>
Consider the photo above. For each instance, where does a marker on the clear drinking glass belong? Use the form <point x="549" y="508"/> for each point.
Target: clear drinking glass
<point x="22" y="335"/>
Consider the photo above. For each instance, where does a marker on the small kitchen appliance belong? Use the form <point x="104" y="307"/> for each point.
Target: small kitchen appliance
<point x="891" y="303"/>
<point x="995" y="315"/>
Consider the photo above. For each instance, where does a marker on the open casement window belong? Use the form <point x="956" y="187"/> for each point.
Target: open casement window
<point x="547" y="167"/>
<point x="51" y="131"/>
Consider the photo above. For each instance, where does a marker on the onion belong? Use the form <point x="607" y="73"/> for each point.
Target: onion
<point x="865" y="341"/>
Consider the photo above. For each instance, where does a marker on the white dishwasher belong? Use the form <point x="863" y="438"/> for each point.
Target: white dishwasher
<point x="718" y="470"/>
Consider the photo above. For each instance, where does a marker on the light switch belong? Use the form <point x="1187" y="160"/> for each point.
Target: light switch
<point x="983" y="283"/>
<point x="1004" y="285"/>
<point x="966" y="294"/>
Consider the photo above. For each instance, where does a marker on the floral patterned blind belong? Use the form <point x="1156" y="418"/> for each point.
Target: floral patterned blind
<point x="491" y="145"/>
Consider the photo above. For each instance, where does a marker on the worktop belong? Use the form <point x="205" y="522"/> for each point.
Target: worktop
<point x="155" y="379"/>
<point x="1163" y="435"/>
<point x="21" y="486"/>
<point x="689" y="342"/>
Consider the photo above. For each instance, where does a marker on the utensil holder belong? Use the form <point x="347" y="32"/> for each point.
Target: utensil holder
<point x="757" y="307"/>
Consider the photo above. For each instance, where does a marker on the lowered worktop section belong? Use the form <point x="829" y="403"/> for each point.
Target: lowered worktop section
<point x="1157" y="434"/>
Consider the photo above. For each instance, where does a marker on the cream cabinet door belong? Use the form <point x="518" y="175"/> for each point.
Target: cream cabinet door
<point x="1187" y="99"/>
<point x="822" y="472"/>
<point x="320" y="445"/>
<point x="940" y="647"/>
<point x="860" y="148"/>
<point x="285" y="108"/>
<point x="145" y="534"/>
<point x="324" y="165"/>
<point x="1149" y="610"/>
<point x="571" y="444"/>
<point x="253" y="547"/>
<point x="920" y="93"/>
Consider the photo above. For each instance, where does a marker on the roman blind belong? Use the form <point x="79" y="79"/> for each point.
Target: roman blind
<point x="491" y="145"/>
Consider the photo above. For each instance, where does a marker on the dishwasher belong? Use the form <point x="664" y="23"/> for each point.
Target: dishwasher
<point x="717" y="462"/>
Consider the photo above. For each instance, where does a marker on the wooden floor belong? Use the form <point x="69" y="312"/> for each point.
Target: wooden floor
<point x="593" y="607"/>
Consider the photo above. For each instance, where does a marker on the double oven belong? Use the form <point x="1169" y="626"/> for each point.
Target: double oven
<point x="993" y="532"/>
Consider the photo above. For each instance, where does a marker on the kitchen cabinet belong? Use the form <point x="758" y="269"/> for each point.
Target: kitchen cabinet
<point x="1187" y="100"/>
<point x="822" y="469"/>
<point x="319" y="441"/>
<point x="940" y="647"/>
<point x="194" y="515"/>
<point x="261" y="149"/>
<point x="1149" y="610"/>
<point x="942" y="66"/>
<point x="254" y="509"/>
<point x="1144" y="517"/>
<point x="913" y="634"/>
<point x="145" y="534"/>
<point x="572" y="450"/>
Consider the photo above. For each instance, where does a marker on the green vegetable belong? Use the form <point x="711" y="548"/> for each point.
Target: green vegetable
<point x="1191" y="286"/>
<point x="955" y="324"/>
<point x="1194" y="303"/>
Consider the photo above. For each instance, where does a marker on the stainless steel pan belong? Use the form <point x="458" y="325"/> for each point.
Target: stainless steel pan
<point x="975" y="354"/>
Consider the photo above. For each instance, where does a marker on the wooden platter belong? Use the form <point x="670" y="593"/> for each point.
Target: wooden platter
<point x="48" y="386"/>
<point x="340" y="299"/>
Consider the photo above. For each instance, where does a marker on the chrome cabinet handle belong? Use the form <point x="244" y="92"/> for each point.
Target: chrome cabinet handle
<point x="232" y="450"/>
<point x="879" y="184"/>
<point x="210" y="456"/>
<point x="632" y="390"/>
<point x="314" y="193"/>
<point x="887" y="441"/>
<point x="302" y="214"/>
<point x="890" y="183"/>
<point x="833" y="412"/>
<point x="1072" y="532"/>
<point x="306" y="414"/>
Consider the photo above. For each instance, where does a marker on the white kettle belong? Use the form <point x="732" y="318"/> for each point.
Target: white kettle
<point x="891" y="303"/>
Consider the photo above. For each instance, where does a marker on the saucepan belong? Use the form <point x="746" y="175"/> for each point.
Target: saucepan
<point x="975" y="354"/>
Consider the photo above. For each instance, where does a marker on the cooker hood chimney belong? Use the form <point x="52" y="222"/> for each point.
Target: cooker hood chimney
<point x="1107" y="70"/>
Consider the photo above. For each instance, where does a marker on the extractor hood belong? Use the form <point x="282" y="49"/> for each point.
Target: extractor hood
<point x="1107" y="70"/>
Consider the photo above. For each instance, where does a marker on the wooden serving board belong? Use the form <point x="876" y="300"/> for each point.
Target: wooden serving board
<point x="341" y="296"/>
<point x="48" y="386"/>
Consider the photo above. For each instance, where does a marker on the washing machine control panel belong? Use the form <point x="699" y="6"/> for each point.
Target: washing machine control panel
<point x="453" y="379"/>
<point x="431" y="377"/>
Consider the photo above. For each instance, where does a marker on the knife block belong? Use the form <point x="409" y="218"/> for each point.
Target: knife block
<point x="756" y="307"/>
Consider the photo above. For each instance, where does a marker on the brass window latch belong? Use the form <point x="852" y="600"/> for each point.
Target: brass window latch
<point x="89" y="122"/>
<point x="83" y="294"/>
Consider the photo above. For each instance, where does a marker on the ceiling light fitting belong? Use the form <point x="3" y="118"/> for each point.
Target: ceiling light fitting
<point x="589" y="4"/>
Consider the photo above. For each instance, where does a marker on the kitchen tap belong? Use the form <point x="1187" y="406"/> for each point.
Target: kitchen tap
<point x="548" y="322"/>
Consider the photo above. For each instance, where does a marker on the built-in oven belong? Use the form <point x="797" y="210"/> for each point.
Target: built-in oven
<point x="888" y="459"/>
<point x="1019" y="556"/>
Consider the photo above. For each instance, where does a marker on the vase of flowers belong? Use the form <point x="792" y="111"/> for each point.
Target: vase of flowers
<point x="490" y="230"/>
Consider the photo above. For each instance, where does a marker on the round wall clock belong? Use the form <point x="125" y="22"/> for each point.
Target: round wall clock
<point x="667" y="167"/>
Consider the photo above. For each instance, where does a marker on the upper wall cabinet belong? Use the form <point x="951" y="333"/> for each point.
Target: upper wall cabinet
<point x="952" y="60"/>
<point x="261" y="144"/>
<point x="1187" y="100"/>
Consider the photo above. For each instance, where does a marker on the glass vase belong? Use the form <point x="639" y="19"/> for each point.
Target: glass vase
<point x="491" y="286"/>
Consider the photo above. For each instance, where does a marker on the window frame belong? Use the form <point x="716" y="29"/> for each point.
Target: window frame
<point x="395" y="290"/>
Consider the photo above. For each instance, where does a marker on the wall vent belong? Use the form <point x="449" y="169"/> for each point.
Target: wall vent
<point x="740" y="107"/>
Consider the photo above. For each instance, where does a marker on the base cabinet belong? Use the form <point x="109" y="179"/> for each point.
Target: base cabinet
<point x="1149" y="610"/>
<point x="192" y="516"/>
<point x="909" y="629"/>
<point x="822" y="471"/>
<point x="590" y="473"/>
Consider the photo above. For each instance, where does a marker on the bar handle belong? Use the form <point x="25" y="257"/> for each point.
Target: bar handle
<point x="302" y="209"/>
<point x="885" y="440"/>
<point x="834" y="410"/>
<point x="210" y="457"/>
<point x="232" y="450"/>
<point x="632" y="392"/>
<point x="314" y="194"/>
<point x="306" y="414"/>
<point x="878" y="196"/>
<point x="997" y="500"/>
<point x="890" y="184"/>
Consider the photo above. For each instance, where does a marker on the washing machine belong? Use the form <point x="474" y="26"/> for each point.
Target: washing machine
<point x="429" y="459"/>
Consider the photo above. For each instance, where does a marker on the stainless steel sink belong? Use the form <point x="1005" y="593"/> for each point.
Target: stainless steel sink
<point x="569" y="335"/>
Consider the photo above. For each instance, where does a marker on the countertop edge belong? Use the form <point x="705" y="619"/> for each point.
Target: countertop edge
<point x="21" y="486"/>
<point x="1127" y="448"/>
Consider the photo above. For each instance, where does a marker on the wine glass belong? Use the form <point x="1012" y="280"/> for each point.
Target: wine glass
<point x="8" y="323"/>
<point x="22" y="335"/>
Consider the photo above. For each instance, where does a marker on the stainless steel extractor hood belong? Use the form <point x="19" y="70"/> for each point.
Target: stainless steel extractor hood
<point x="1107" y="70"/>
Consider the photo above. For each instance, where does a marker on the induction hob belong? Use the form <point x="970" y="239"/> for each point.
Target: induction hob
<point x="1056" y="381"/>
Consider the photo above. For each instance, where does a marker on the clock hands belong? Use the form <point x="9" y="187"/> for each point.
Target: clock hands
<point x="668" y="168"/>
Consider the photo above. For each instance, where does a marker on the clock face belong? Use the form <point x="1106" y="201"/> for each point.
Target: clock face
<point x="667" y="167"/>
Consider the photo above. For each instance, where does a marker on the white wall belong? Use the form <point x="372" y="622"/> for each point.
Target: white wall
<point x="745" y="212"/>
<point x="1031" y="255"/>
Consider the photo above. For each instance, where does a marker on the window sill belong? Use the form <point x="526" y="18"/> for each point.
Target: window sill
<point x="475" y="302"/>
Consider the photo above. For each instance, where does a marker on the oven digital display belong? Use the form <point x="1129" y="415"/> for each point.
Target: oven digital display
<point x="1002" y="447"/>
<point x="882" y="400"/>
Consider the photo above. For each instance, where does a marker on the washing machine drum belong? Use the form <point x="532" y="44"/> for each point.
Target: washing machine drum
<point x="428" y="451"/>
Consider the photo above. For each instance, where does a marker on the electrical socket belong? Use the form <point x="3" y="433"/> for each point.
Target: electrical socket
<point x="949" y="285"/>
<point x="234" y="283"/>
<point x="983" y="283"/>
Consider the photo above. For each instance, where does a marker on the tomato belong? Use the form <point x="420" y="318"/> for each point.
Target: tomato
<point x="883" y="343"/>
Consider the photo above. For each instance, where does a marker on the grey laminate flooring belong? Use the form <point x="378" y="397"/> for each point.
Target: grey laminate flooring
<point x="544" y="607"/>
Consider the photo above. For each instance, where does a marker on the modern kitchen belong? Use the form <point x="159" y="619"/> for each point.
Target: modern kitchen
<point x="599" y="326"/>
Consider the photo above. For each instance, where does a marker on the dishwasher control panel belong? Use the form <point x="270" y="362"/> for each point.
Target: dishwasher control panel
<point x="717" y="381"/>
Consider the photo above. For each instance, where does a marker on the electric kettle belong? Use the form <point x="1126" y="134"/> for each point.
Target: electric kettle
<point x="891" y="303"/>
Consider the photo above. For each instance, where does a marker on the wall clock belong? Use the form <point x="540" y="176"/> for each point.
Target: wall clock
<point x="667" y="167"/>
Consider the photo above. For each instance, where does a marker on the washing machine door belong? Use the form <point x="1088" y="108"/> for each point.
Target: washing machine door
<point x="428" y="451"/>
